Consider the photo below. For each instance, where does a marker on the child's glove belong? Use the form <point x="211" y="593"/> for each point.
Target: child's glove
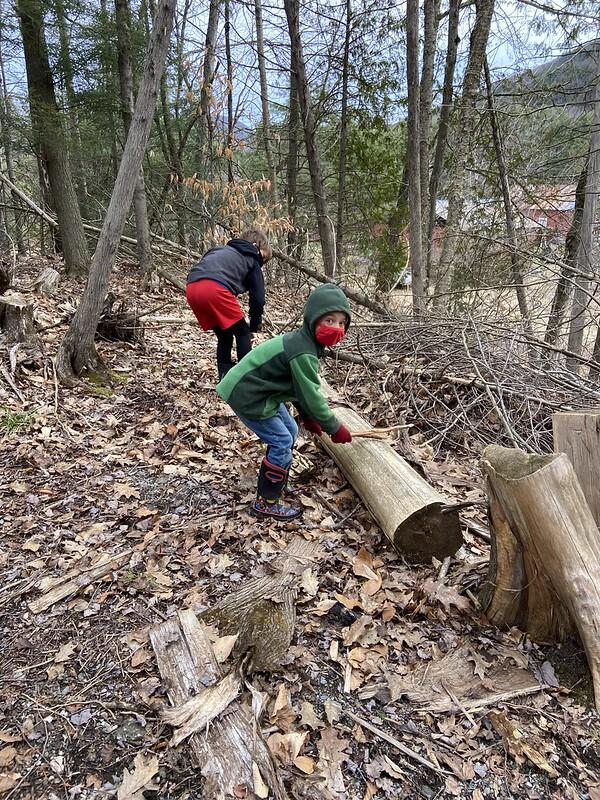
<point x="312" y="426"/>
<point x="341" y="436"/>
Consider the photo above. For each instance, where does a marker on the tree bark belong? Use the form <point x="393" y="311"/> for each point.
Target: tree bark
<point x="546" y="556"/>
<point x="230" y="118"/>
<point x="73" y="115"/>
<point x="106" y="62"/>
<point x="462" y="140"/>
<point x="414" y="517"/>
<point x="563" y="286"/>
<point x="77" y="350"/>
<point x="515" y="260"/>
<point x="431" y="9"/>
<point x="142" y="227"/>
<point x="325" y="225"/>
<point x="586" y="240"/>
<point x="292" y="160"/>
<point x="577" y="433"/>
<point x="49" y="133"/>
<point x="208" y="74"/>
<point x="264" y="101"/>
<point x="5" y="132"/>
<point x="415" y="232"/>
<point x="442" y="131"/>
<point x="341" y="198"/>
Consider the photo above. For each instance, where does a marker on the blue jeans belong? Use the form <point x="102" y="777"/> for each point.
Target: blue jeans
<point x="278" y="432"/>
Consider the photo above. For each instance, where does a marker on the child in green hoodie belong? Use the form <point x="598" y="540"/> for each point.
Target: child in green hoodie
<point x="281" y="370"/>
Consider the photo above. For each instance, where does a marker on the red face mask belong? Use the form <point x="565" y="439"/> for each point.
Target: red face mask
<point x="329" y="335"/>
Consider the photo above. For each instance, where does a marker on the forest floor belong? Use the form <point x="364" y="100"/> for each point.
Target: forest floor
<point x="153" y="479"/>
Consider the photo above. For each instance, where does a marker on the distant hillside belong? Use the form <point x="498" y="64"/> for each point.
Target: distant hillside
<point x="567" y="81"/>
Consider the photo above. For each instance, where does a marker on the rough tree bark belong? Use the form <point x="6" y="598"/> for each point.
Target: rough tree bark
<point x="563" y="286"/>
<point x="579" y="318"/>
<point x="292" y="160"/>
<point x="341" y="198"/>
<point x="415" y="233"/>
<point x="5" y="132"/>
<point x="230" y="117"/>
<point x="107" y="68"/>
<point x="208" y="75"/>
<point x="462" y="139"/>
<point x="325" y="225"/>
<point x="545" y="559"/>
<point x="77" y="350"/>
<point x="142" y="228"/>
<point x="50" y="136"/>
<point x="515" y="259"/>
<point x="73" y="115"/>
<point x="431" y="10"/>
<point x="264" y="101"/>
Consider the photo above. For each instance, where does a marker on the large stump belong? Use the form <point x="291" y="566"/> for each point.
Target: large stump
<point x="577" y="433"/>
<point x="544" y="574"/>
<point x="415" y="518"/>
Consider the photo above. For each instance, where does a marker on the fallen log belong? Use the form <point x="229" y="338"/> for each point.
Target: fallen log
<point x="577" y="433"/>
<point x="544" y="573"/>
<point x="231" y="753"/>
<point x="415" y="518"/>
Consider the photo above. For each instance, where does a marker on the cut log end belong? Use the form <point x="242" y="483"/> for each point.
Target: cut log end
<point x="430" y="531"/>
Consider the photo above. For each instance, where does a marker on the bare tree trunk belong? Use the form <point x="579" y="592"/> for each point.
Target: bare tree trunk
<point x="208" y="74"/>
<point x="49" y="132"/>
<point x="586" y="241"/>
<point x="264" y="99"/>
<point x="142" y="228"/>
<point x="77" y="350"/>
<point x="563" y="287"/>
<point x="515" y="260"/>
<point x="292" y="160"/>
<point x="230" y="119"/>
<point x="341" y="199"/>
<point x="462" y="139"/>
<point x="75" y="135"/>
<point x="442" y="131"/>
<point x="415" y="231"/>
<point x="107" y="64"/>
<point x="326" y="233"/>
<point x="431" y="10"/>
<point x="5" y="128"/>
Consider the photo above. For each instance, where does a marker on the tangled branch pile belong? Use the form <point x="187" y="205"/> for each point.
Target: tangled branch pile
<point x="468" y="383"/>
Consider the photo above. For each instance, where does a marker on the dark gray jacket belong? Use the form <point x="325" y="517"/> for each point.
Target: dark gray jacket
<point x="238" y="267"/>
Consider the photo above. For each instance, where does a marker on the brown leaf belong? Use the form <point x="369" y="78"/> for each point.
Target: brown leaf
<point x="260" y="787"/>
<point x="517" y="744"/>
<point x="362" y="566"/>
<point x="309" y="582"/>
<point x="134" y="782"/>
<point x="283" y="715"/>
<point x="65" y="652"/>
<point x="446" y="595"/>
<point x="309" y="718"/>
<point x="223" y="646"/>
<point x="331" y="757"/>
<point x="7" y="755"/>
<point x="125" y="490"/>
<point x="8" y="781"/>
<point x="286" y="746"/>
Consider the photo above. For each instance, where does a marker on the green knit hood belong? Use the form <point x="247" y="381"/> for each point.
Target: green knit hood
<point x="326" y="297"/>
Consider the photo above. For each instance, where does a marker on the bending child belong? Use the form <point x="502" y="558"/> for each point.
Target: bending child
<point x="213" y="284"/>
<point x="286" y="369"/>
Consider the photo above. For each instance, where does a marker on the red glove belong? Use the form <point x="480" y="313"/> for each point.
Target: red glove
<point x="341" y="436"/>
<point x="312" y="426"/>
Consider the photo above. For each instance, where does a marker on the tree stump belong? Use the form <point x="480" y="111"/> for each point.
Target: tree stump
<point x="577" y="433"/>
<point x="16" y="317"/>
<point x="47" y="281"/>
<point x="544" y="574"/>
<point x="415" y="518"/>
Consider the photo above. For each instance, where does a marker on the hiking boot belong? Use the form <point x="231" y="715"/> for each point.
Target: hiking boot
<point x="272" y="480"/>
<point x="262" y="508"/>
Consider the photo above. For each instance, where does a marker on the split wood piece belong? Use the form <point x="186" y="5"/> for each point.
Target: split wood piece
<point x="415" y="518"/>
<point x="72" y="582"/>
<point x="577" y="433"/>
<point x="230" y="751"/>
<point x="263" y="613"/>
<point x="47" y="281"/>
<point x="544" y="574"/>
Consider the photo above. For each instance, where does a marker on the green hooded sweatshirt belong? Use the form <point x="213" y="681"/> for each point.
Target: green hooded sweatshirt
<point x="285" y="369"/>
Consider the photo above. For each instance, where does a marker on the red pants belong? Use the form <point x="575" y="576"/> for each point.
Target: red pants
<point x="213" y="305"/>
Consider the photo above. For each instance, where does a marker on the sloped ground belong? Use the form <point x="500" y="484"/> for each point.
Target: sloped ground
<point x="157" y="476"/>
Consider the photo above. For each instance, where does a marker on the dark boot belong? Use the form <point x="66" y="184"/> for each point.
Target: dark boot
<point x="271" y="481"/>
<point x="224" y="368"/>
